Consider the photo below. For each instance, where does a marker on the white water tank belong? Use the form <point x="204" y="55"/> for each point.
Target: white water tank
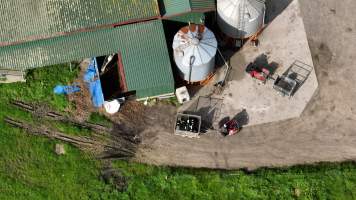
<point x="194" y="49"/>
<point x="241" y="18"/>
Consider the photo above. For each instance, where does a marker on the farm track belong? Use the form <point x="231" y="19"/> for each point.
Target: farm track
<point x="324" y="132"/>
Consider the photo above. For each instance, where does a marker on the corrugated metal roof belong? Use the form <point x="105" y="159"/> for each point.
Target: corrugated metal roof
<point x="142" y="45"/>
<point x="147" y="64"/>
<point x="193" y="17"/>
<point x="24" y="20"/>
<point x="202" y="5"/>
<point x="172" y="7"/>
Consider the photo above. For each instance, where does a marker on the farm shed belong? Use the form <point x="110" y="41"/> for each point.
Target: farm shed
<point x="142" y="46"/>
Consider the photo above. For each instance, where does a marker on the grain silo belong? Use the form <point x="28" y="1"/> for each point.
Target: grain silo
<point x="195" y="47"/>
<point x="240" y="18"/>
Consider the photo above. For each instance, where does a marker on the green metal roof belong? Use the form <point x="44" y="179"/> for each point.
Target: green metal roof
<point x="193" y="17"/>
<point x="147" y="63"/>
<point x="142" y="45"/>
<point x="202" y="4"/>
<point x="25" y="20"/>
<point x="174" y="7"/>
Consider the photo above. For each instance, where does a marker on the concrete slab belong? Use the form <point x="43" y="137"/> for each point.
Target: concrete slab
<point x="284" y="41"/>
<point x="11" y="76"/>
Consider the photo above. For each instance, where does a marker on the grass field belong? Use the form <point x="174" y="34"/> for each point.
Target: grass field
<point x="29" y="168"/>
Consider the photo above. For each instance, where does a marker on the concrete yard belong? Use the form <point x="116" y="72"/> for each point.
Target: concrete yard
<point x="325" y="131"/>
<point x="284" y="41"/>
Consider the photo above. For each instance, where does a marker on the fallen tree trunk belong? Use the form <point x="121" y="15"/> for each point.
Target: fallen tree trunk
<point x="102" y="148"/>
<point x="43" y="111"/>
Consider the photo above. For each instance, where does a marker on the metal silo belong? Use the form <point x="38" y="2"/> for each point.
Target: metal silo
<point x="194" y="49"/>
<point x="241" y="18"/>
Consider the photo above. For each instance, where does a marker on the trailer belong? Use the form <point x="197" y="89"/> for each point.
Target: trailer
<point x="187" y="125"/>
<point x="292" y="79"/>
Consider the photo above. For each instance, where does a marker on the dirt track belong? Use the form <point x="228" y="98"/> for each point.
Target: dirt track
<point x="325" y="132"/>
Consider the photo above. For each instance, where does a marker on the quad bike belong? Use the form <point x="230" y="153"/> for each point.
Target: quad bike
<point x="230" y="128"/>
<point x="260" y="73"/>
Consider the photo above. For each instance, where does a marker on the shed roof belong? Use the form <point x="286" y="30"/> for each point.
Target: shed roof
<point x="205" y="5"/>
<point x="142" y="45"/>
<point x="174" y="7"/>
<point x="193" y="17"/>
<point x="25" y="20"/>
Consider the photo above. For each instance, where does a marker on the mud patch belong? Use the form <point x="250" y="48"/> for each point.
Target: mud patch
<point x="333" y="11"/>
<point x="322" y="55"/>
<point x="115" y="178"/>
<point x="332" y="83"/>
<point x="332" y="108"/>
<point x="324" y="73"/>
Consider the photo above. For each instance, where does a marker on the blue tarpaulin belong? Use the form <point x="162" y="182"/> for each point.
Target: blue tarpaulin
<point x="66" y="89"/>
<point x="91" y="77"/>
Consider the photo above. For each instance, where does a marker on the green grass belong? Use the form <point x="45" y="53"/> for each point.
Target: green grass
<point x="325" y="181"/>
<point x="29" y="168"/>
<point x="171" y="101"/>
<point x="70" y="129"/>
<point x="100" y="119"/>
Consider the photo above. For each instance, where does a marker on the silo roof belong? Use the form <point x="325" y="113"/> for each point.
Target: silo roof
<point x="26" y="20"/>
<point x="195" y="41"/>
<point x="231" y="8"/>
<point x="142" y="45"/>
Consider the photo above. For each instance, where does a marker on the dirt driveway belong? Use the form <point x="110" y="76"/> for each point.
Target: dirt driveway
<point x="325" y="132"/>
